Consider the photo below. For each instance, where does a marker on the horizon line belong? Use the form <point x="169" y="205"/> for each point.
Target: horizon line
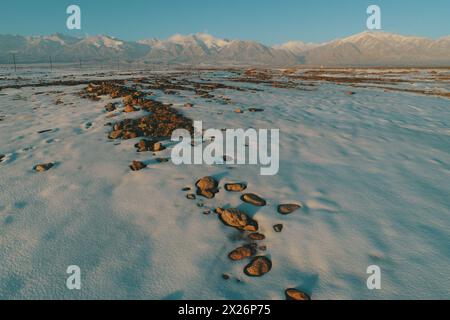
<point x="86" y="36"/>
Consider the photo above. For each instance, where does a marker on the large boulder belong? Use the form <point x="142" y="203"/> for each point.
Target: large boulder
<point x="207" y="187"/>
<point x="237" y="219"/>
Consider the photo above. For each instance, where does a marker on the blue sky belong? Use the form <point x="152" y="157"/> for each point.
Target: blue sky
<point x="266" y="21"/>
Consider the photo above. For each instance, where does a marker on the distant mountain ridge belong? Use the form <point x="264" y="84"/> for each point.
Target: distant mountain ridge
<point x="363" y="49"/>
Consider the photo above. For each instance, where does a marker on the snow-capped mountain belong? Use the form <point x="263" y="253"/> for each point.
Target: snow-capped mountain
<point x="62" y="48"/>
<point x="206" y="41"/>
<point x="381" y="48"/>
<point x="367" y="48"/>
<point x="296" y="47"/>
<point x="204" y="48"/>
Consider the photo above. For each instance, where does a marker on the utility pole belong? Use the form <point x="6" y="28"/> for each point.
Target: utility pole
<point x="81" y="67"/>
<point x="51" y="63"/>
<point x="118" y="65"/>
<point x="14" y="61"/>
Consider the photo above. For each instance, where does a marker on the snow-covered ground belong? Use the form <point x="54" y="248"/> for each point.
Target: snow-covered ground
<point x="372" y="170"/>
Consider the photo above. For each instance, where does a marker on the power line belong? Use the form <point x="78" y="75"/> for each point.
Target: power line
<point x="14" y="61"/>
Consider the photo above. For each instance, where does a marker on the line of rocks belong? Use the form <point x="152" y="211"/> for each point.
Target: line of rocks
<point x="259" y="265"/>
<point x="158" y="123"/>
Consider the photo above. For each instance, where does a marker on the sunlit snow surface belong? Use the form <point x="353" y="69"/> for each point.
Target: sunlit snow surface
<point x="372" y="170"/>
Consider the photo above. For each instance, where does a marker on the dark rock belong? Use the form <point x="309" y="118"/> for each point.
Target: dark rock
<point x="127" y="99"/>
<point x="43" y="167"/>
<point x="129" y="134"/>
<point x="45" y="131"/>
<point x="237" y="219"/>
<point x="111" y="107"/>
<point x="129" y="109"/>
<point x="149" y="145"/>
<point x="137" y="165"/>
<point x="254" y="200"/>
<point x="294" y="294"/>
<point x="256" y="236"/>
<point x="242" y="253"/>
<point x="235" y="187"/>
<point x="157" y="147"/>
<point x="191" y="196"/>
<point x="258" y="267"/>
<point x="115" y="134"/>
<point x="288" y="208"/>
<point x="278" y="227"/>
<point x="207" y="187"/>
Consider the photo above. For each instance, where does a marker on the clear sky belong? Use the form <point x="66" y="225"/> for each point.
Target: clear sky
<point x="266" y="21"/>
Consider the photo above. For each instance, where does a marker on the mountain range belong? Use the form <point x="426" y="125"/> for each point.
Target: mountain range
<point x="363" y="49"/>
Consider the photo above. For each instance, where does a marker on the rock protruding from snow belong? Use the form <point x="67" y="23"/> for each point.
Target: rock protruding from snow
<point x="129" y="109"/>
<point x="278" y="227"/>
<point x="149" y="145"/>
<point x="237" y="219"/>
<point x="256" y="236"/>
<point x="110" y="107"/>
<point x="137" y="166"/>
<point x="43" y="167"/>
<point x="235" y="187"/>
<point x="288" y="208"/>
<point x="116" y="134"/>
<point x="242" y="253"/>
<point x="294" y="294"/>
<point x="207" y="187"/>
<point x="254" y="199"/>
<point x="258" y="267"/>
